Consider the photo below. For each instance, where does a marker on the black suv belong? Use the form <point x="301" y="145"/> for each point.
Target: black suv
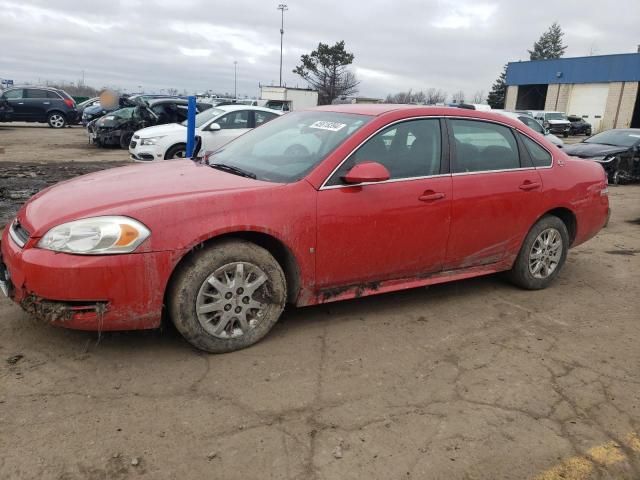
<point x="40" y="104"/>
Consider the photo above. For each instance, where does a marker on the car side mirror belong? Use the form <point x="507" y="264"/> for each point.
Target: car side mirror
<point x="367" y="172"/>
<point x="214" y="127"/>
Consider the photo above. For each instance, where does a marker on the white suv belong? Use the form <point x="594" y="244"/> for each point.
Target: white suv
<point x="216" y="127"/>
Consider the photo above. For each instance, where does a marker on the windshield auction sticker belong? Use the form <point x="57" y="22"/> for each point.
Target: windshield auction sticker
<point x="332" y="126"/>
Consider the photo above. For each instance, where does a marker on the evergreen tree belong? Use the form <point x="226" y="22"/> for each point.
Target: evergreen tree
<point x="549" y="45"/>
<point x="498" y="93"/>
<point x="325" y="70"/>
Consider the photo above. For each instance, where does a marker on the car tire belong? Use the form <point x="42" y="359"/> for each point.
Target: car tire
<point x="621" y="172"/>
<point x="565" y="134"/>
<point x="176" y="152"/>
<point x="125" y="140"/>
<point x="541" y="255"/>
<point x="227" y="296"/>
<point x="56" y="120"/>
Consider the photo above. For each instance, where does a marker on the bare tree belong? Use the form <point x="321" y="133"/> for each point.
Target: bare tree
<point x="458" y="97"/>
<point x="172" y="91"/>
<point x="478" y="97"/>
<point x="434" y="96"/>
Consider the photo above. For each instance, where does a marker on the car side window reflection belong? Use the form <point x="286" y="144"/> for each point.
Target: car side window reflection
<point x="483" y="146"/>
<point x="407" y="149"/>
<point x="13" y="94"/>
<point x="239" y="119"/>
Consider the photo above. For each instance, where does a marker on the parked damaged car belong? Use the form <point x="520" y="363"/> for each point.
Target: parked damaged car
<point x="214" y="127"/>
<point x="316" y="206"/>
<point x="617" y="150"/>
<point x="579" y="126"/>
<point x="117" y="128"/>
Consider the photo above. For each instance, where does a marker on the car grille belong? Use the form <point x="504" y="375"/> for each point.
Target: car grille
<point x="19" y="234"/>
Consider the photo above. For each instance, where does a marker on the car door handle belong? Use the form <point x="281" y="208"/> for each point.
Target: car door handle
<point x="20" y="103"/>
<point x="431" y="196"/>
<point x="529" y="185"/>
<point x="46" y="103"/>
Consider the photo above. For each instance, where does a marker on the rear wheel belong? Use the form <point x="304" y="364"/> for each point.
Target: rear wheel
<point x="177" y="151"/>
<point x="542" y="254"/>
<point x="227" y="296"/>
<point x="56" y="120"/>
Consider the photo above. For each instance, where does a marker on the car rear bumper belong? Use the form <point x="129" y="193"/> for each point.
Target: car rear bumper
<point x="107" y="292"/>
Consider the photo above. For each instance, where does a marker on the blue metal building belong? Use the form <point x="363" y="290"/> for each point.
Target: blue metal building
<point x="602" y="89"/>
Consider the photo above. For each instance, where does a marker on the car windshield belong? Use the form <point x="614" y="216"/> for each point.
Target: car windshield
<point x="205" y="116"/>
<point x="289" y="147"/>
<point x="616" y="138"/>
<point x="555" y="116"/>
<point x="123" y="113"/>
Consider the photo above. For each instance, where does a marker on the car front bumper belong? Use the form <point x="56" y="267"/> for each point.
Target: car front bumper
<point x="84" y="292"/>
<point x="144" y="153"/>
<point x="562" y="129"/>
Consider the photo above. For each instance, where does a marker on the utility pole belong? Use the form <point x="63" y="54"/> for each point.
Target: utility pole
<point x="235" y="79"/>
<point x="282" y="7"/>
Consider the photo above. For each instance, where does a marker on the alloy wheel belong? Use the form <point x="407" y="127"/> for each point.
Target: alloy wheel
<point x="56" y="120"/>
<point x="545" y="253"/>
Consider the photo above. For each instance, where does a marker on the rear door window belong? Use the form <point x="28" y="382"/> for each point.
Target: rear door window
<point x="263" y="117"/>
<point x="35" y="93"/>
<point x="53" y="95"/>
<point x="482" y="146"/>
<point x="539" y="156"/>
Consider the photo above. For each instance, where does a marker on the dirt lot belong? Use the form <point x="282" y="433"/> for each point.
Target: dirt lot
<point x="470" y="380"/>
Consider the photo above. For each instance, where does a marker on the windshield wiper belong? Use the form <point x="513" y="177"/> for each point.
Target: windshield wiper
<point x="231" y="169"/>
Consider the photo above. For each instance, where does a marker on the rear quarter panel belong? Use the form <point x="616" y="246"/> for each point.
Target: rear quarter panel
<point x="579" y="186"/>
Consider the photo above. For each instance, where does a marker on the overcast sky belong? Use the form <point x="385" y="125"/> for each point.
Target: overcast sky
<point x="398" y="45"/>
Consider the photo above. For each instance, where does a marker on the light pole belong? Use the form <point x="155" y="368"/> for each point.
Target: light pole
<point x="282" y="7"/>
<point x="235" y="79"/>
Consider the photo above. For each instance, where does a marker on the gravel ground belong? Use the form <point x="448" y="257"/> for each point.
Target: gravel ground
<point x="469" y="380"/>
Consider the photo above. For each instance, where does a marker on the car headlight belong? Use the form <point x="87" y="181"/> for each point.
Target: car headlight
<point x="96" y="236"/>
<point x="150" y="140"/>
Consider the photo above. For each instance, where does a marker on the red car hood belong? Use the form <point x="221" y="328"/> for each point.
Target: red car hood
<point x="118" y="190"/>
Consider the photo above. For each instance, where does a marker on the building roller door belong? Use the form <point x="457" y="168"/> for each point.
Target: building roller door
<point x="589" y="101"/>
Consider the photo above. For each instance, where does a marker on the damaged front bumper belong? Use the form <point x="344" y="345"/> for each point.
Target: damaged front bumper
<point x="97" y="293"/>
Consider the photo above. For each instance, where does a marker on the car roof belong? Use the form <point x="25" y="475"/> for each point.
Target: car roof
<point x="378" y="109"/>
<point x="53" y="89"/>
<point x="240" y="106"/>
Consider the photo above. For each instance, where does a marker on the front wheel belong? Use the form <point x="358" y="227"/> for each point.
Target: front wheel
<point x="177" y="151"/>
<point x="542" y="254"/>
<point x="227" y="296"/>
<point x="56" y="120"/>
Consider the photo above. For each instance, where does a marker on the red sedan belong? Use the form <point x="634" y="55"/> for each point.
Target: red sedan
<point x="316" y="206"/>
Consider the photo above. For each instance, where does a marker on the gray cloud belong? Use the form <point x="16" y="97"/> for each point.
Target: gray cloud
<point x="192" y="44"/>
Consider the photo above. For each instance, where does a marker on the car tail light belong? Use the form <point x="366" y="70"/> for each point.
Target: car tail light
<point x="69" y="103"/>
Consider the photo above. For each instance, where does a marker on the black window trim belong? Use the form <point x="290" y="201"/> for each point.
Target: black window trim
<point x="444" y="155"/>
<point x="521" y="168"/>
